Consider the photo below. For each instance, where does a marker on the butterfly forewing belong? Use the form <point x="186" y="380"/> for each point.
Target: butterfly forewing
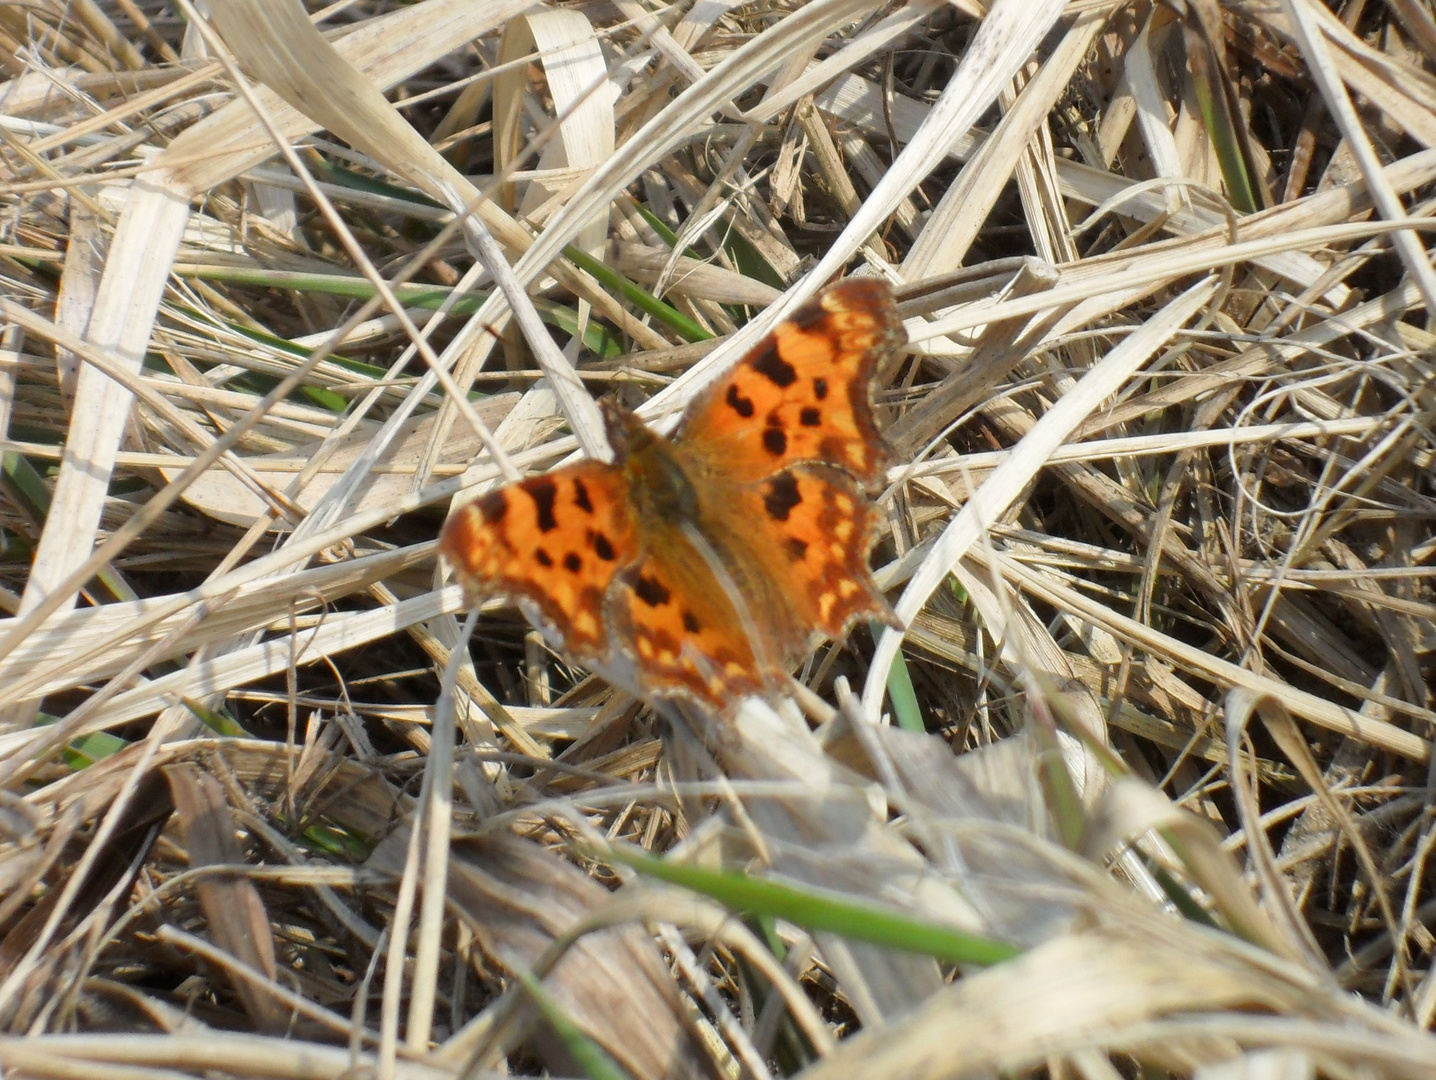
<point x="555" y="540"/>
<point x="803" y="393"/>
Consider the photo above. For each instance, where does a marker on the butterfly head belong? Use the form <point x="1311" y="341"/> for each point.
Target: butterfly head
<point x="626" y="433"/>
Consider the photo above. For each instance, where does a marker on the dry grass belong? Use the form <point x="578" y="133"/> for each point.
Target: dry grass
<point x="1157" y="793"/>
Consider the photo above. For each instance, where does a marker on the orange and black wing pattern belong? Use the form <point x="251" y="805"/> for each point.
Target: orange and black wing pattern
<point x="556" y="541"/>
<point x="803" y="394"/>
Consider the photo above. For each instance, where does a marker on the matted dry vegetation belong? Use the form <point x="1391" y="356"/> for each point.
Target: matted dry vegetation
<point x="1145" y="785"/>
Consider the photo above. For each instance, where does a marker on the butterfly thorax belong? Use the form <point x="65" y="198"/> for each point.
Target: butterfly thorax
<point x="661" y="488"/>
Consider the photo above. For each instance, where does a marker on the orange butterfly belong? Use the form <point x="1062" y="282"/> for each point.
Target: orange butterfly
<point x="698" y="566"/>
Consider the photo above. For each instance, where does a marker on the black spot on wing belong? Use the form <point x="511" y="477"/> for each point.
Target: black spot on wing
<point x="691" y="624"/>
<point x="775" y="369"/>
<point x="602" y="548"/>
<point x="542" y="557"/>
<point x="580" y="497"/>
<point x="738" y="403"/>
<point x="774" y="441"/>
<point x="820" y="388"/>
<point x="797" y="549"/>
<point x="781" y="496"/>
<point x="543" y="491"/>
<point x="494" y="506"/>
<point x="811" y="416"/>
<point x="651" y="591"/>
<point x="572" y="563"/>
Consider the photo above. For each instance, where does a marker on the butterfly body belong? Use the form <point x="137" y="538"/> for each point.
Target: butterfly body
<point x="699" y="566"/>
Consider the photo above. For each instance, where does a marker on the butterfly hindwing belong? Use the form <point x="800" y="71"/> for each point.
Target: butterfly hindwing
<point x="810" y="527"/>
<point x="675" y="616"/>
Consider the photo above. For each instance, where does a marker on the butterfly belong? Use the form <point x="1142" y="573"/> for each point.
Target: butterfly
<point x="698" y="566"/>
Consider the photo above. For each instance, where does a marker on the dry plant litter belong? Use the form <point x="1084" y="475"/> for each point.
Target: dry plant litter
<point x="1144" y="785"/>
